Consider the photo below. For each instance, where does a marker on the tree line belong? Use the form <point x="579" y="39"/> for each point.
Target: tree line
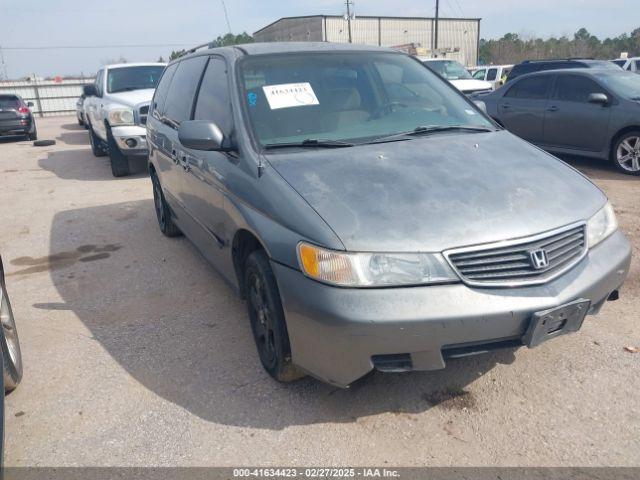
<point x="220" y="41"/>
<point x="514" y="48"/>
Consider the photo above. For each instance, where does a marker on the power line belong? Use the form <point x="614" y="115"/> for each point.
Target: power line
<point x="89" y="47"/>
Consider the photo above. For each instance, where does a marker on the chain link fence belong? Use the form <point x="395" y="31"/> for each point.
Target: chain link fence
<point x="49" y="97"/>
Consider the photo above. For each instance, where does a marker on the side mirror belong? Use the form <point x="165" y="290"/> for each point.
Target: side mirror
<point x="90" y="91"/>
<point x="29" y="104"/>
<point x="600" y="98"/>
<point x="200" y="135"/>
<point x="481" y="105"/>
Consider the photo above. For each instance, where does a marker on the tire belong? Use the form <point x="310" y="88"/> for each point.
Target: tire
<point x="119" y="161"/>
<point x="97" y="147"/>
<point x="80" y="122"/>
<point x="625" y="153"/>
<point x="43" y="143"/>
<point x="163" y="212"/>
<point x="267" y="319"/>
<point x="34" y="134"/>
<point x="11" y="355"/>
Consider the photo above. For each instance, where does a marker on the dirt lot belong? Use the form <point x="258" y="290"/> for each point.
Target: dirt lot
<point x="137" y="353"/>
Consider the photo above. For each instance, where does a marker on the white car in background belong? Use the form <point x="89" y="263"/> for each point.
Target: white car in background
<point x="494" y="74"/>
<point x="631" y="64"/>
<point x="457" y="75"/>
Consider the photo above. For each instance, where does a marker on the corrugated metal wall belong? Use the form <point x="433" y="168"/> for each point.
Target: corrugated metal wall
<point x="386" y="31"/>
<point x="302" y="29"/>
<point x="48" y="97"/>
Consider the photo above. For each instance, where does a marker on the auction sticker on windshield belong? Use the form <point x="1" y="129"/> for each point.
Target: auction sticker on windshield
<point x="289" y="95"/>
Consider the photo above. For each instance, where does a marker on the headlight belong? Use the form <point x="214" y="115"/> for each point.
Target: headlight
<point x="349" y="269"/>
<point x="121" y="116"/>
<point x="601" y="225"/>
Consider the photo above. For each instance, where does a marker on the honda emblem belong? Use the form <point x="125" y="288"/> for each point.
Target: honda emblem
<point x="539" y="259"/>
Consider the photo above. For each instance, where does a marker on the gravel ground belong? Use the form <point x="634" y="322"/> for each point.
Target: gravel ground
<point x="136" y="352"/>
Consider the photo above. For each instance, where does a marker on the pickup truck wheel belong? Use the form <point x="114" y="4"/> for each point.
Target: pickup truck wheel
<point x="119" y="161"/>
<point x="625" y="153"/>
<point x="97" y="147"/>
<point x="11" y="356"/>
<point x="165" y="222"/>
<point x="267" y="319"/>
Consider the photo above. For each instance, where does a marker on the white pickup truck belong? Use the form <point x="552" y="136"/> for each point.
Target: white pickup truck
<point x="116" y="108"/>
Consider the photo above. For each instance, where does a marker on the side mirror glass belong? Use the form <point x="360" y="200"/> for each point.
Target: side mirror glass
<point x="600" y="98"/>
<point x="481" y="105"/>
<point x="89" y="91"/>
<point x="200" y="135"/>
<point x="29" y="104"/>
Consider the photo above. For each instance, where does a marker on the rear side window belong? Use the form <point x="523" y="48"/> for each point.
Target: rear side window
<point x="161" y="92"/>
<point x="534" y="88"/>
<point x="492" y="74"/>
<point x="522" y="69"/>
<point x="575" y="88"/>
<point x="214" y="102"/>
<point x="9" y="102"/>
<point x="185" y="82"/>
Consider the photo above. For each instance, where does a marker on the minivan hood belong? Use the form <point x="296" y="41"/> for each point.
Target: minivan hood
<point x="432" y="193"/>
<point x="134" y="97"/>
<point x="471" y="84"/>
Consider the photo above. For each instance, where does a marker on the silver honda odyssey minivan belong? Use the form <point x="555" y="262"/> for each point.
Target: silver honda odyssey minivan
<point x="369" y="213"/>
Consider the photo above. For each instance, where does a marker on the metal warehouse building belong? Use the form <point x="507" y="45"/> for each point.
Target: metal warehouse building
<point x="458" y="38"/>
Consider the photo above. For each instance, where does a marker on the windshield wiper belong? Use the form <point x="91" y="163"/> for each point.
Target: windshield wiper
<point x="425" y="130"/>
<point x="126" y="89"/>
<point x="310" y="143"/>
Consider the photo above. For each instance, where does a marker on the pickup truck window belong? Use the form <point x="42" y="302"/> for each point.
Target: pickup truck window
<point x="213" y="99"/>
<point x="183" y="88"/>
<point x="124" y="79"/>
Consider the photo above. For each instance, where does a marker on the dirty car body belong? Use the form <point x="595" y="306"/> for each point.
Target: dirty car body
<point x="401" y="225"/>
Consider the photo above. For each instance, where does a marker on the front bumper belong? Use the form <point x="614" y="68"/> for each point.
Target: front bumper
<point x="335" y="332"/>
<point x="136" y="135"/>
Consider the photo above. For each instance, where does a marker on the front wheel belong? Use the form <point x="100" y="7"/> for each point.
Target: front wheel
<point x="11" y="355"/>
<point x="119" y="161"/>
<point x="165" y="222"/>
<point x="625" y="153"/>
<point x="267" y="319"/>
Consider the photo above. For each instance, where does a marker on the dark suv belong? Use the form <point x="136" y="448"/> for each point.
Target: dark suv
<point x="16" y="118"/>
<point x="530" y="66"/>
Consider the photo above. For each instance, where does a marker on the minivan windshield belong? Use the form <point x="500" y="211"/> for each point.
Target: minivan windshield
<point x="449" y="69"/>
<point x="124" y="79"/>
<point x="349" y="97"/>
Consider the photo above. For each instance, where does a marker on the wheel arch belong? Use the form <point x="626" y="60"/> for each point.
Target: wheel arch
<point x="620" y="133"/>
<point x="244" y="243"/>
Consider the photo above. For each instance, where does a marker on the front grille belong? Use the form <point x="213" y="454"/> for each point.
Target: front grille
<point x="512" y="263"/>
<point x="142" y="114"/>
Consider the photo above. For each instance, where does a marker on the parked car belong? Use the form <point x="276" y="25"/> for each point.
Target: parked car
<point x="531" y="66"/>
<point x="458" y="75"/>
<point x="496" y="75"/>
<point x="116" y="108"/>
<point x="80" y="109"/>
<point x="371" y="215"/>
<point x="630" y="64"/>
<point x="589" y="112"/>
<point x="16" y="117"/>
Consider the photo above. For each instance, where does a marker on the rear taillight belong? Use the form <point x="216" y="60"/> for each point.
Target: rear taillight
<point x="23" y="110"/>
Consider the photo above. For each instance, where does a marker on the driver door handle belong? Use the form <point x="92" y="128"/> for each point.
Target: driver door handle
<point x="552" y="108"/>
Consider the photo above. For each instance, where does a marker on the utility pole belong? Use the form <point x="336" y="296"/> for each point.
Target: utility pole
<point x="349" y="17"/>
<point x="435" y="38"/>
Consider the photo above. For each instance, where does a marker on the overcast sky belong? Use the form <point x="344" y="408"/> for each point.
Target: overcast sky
<point x="178" y="23"/>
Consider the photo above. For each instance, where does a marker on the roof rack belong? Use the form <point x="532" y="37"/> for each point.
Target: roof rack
<point x="558" y="59"/>
<point x="198" y="47"/>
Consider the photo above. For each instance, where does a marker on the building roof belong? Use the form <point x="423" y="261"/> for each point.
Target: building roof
<point x="367" y="17"/>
